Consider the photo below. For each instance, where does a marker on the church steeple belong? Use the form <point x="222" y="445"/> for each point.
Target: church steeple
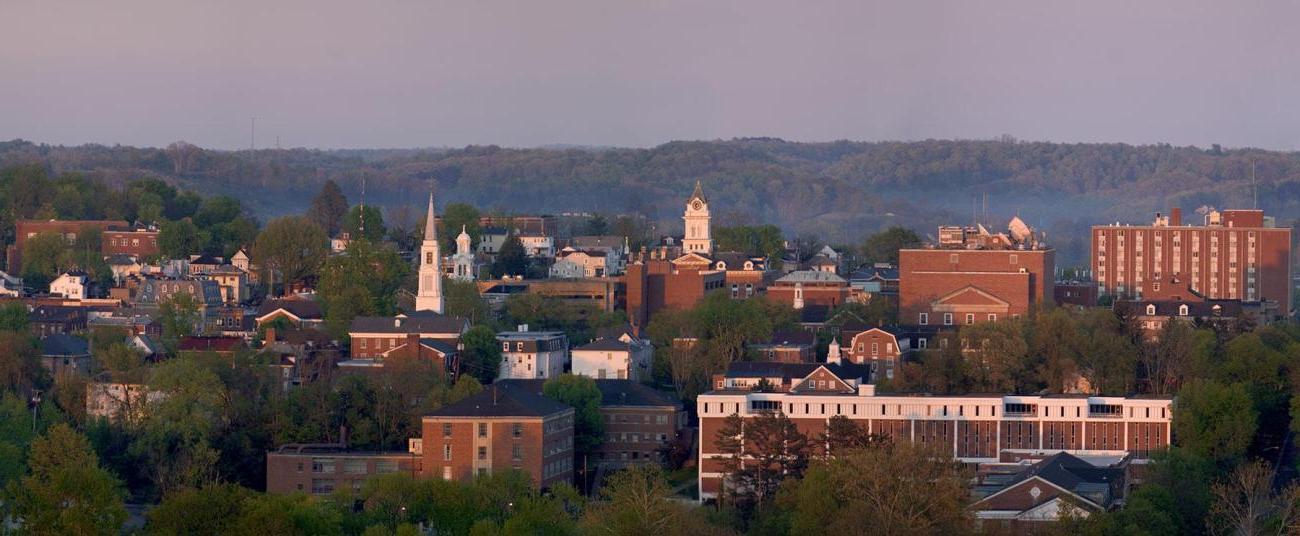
<point x="696" y="219"/>
<point x="429" y="296"/>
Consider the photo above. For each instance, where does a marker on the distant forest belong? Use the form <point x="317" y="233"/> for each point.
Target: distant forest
<point x="840" y="191"/>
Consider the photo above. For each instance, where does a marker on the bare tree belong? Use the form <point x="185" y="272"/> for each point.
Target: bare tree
<point x="1247" y="504"/>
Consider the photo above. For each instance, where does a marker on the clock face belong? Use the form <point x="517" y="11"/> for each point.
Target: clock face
<point x="697" y="205"/>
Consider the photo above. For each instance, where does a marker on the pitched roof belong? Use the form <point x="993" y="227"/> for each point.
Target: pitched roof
<point x="205" y="259"/>
<point x="613" y="392"/>
<point x="63" y="345"/>
<point x="1200" y="309"/>
<point x="605" y="344"/>
<point x="498" y="400"/>
<point x="303" y="309"/>
<point x="811" y="276"/>
<point x="1072" y="474"/>
<point x="792" y="338"/>
<point x="422" y="322"/>
<point x="794" y="371"/>
<point x="209" y="344"/>
<point x="698" y="193"/>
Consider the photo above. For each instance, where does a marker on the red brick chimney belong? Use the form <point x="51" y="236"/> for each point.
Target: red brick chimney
<point x="1175" y="217"/>
<point x="413" y="345"/>
<point x="270" y="335"/>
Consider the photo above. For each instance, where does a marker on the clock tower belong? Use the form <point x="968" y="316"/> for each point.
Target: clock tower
<point x="696" y="218"/>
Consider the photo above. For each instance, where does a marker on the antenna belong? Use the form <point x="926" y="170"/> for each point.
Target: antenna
<point x="362" y="213"/>
<point x="252" y="133"/>
<point x="985" y="213"/>
<point x="1254" y="189"/>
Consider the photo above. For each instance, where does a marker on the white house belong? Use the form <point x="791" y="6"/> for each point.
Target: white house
<point x="72" y="285"/>
<point x="537" y="245"/>
<point x="609" y="358"/>
<point x="532" y="354"/>
<point x="10" y="285"/>
<point x="576" y="263"/>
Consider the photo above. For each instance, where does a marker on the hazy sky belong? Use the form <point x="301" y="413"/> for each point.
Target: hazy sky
<point x="381" y="73"/>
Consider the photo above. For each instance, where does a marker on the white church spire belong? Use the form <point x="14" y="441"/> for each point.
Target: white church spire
<point x="429" y="296"/>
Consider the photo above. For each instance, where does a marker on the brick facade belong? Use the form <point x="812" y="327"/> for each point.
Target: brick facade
<point x="962" y="286"/>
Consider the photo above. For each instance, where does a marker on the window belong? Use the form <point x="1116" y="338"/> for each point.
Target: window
<point x="505" y="347"/>
<point x="482" y="453"/>
<point x="875" y="348"/>
<point x="970" y="318"/>
<point x="482" y="429"/>
<point x="921" y="343"/>
<point x="925" y="319"/>
<point x="517" y="430"/>
<point x="446" y="430"/>
<point x="446" y="452"/>
<point x="1182" y="310"/>
<point x="1151" y="310"/>
<point x="1014" y="259"/>
<point x="322" y="465"/>
<point x="993" y="317"/>
<point x="517" y="453"/>
<point x="947" y="319"/>
<point x="428" y="257"/>
<point x="446" y="472"/>
<point x="354" y="467"/>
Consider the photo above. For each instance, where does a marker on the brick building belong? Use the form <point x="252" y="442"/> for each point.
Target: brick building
<point x="799" y="346"/>
<point x="656" y="283"/>
<point x="973" y="276"/>
<point x="373" y="335"/>
<point x="979" y="428"/>
<point x="118" y="237"/>
<point x="322" y="469"/>
<point x="810" y="287"/>
<point x="881" y="348"/>
<point x="1235" y="255"/>
<point x="500" y="429"/>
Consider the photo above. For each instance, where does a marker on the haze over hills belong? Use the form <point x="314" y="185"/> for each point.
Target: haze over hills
<point x="839" y="190"/>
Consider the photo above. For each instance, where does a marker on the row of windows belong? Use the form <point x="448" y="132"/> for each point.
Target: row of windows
<point x="924" y="319"/>
<point x="914" y="410"/>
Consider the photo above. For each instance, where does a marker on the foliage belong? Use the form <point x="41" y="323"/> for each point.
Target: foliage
<point x="512" y="260"/>
<point x="66" y="491"/>
<point x="722" y="328"/>
<point x="1214" y="420"/>
<point x="328" y="208"/>
<point x="588" y="423"/>
<point x="374" y="229"/>
<point x="760" y="454"/>
<point x="13" y="316"/>
<point x="180" y="317"/>
<point x="481" y="357"/>
<point x="884" y="245"/>
<point x="362" y="281"/>
<point x="178" y="239"/>
<point x="461" y="299"/>
<point x="456" y="216"/>
<point x="292" y="248"/>
<point x="758" y="240"/>
<point x="639" y="500"/>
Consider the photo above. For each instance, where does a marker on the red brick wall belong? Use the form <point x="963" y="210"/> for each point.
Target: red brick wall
<point x="926" y="275"/>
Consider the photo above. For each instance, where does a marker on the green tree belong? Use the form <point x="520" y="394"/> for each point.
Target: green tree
<point x="328" y="208"/>
<point x="217" y="210"/>
<point x="66" y="491"/>
<point x="364" y="280"/>
<point x="44" y="258"/>
<point x="179" y="239"/>
<point x="1215" y="421"/>
<point x="457" y="216"/>
<point x="512" y="259"/>
<point x="481" y="357"/>
<point x="461" y="299"/>
<point x="13" y="316"/>
<point x="581" y="393"/>
<point x="20" y="364"/>
<point x="373" y="219"/>
<point x="639" y="500"/>
<point x="292" y="248"/>
<point x="17" y="433"/>
<point x="884" y="246"/>
<point x="180" y="317"/>
<point x="210" y="510"/>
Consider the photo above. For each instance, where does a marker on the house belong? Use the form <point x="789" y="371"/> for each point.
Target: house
<point x="445" y="355"/>
<point x="373" y="335"/>
<point x="611" y="357"/>
<point x="232" y="281"/>
<point x="124" y="266"/>
<point x="615" y="248"/>
<point x="500" y="429"/>
<point x="45" y="320"/>
<point x="822" y="263"/>
<point x="10" y="286"/>
<point x="64" y="354"/>
<point x="304" y="355"/>
<point x="202" y="264"/>
<point x="116" y="237"/>
<point x="879" y="347"/>
<point x="532" y="354"/>
<point x="1153" y="315"/>
<point x="576" y="263"/>
<point x="490" y="239"/>
<point x="877" y="280"/>
<point x="154" y="290"/>
<point x="222" y="346"/>
<point x="970" y="428"/>
<point x="536" y="244"/>
<point x="788" y="347"/>
<point x="1020" y="496"/>
<point x="296" y="312"/>
<point x="146" y="345"/>
<point x="74" y="285"/>
<point x="809" y="287"/>
<point x="119" y="401"/>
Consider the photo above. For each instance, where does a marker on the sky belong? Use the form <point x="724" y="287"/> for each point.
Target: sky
<point x="425" y="73"/>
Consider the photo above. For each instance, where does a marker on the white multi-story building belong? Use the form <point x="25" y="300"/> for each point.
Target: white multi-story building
<point x="72" y="285"/>
<point x="532" y="354"/>
<point x="623" y="358"/>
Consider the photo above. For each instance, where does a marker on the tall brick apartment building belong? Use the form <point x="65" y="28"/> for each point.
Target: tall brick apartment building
<point x="496" y="430"/>
<point x="978" y="428"/>
<point x="1235" y="255"/>
<point x="118" y="237"/>
<point x="973" y="276"/>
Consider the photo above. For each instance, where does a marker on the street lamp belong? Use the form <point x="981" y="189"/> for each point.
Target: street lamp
<point x="36" y="404"/>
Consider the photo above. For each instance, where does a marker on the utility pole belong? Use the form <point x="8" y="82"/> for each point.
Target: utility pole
<point x="252" y="133"/>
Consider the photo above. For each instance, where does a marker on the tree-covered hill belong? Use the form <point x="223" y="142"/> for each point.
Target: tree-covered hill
<point x="840" y="190"/>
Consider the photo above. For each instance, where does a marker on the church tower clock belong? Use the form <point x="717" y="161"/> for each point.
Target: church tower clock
<point x="698" y="239"/>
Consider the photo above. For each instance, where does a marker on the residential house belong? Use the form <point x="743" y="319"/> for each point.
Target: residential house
<point x="614" y="358"/>
<point x="1023" y="496"/>
<point x="372" y="336"/>
<point x="296" y="312"/>
<point x="532" y="354"/>
<point x="10" y="286"/>
<point x="74" y="285"/>
<point x="119" y="401"/>
<point x="787" y="347"/>
<point x="65" y="354"/>
<point x="576" y="263"/>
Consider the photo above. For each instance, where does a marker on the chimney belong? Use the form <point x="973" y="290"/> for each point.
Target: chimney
<point x="1175" y="217"/>
<point x="270" y="335"/>
<point x="343" y="435"/>
<point x="413" y="339"/>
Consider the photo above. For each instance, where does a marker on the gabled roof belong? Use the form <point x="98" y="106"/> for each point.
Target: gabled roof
<point x="821" y="260"/>
<point x="1073" y="475"/>
<point x="852" y="328"/>
<point x="63" y="345"/>
<point x="605" y="344"/>
<point x="205" y="259"/>
<point x="612" y="392"/>
<point x="302" y="309"/>
<point x="209" y="344"/>
<point x="692" y="258"/>
<point x="500" y="399"/>
<point x="1198" y="309"/>
<point x="736" y="260"/>
<point x="433" y="344"/>
<point x="793" y="338"/>
<point x="814" y="314"/>
<point x="794" y="371"/>
<point x="971" y="295"/>
<point x="422" y="322"/>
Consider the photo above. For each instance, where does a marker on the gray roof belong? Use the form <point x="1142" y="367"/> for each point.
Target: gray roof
<point x="63" y="345"/>
<point x="811" y="276"/>
<point x="304" y="309"/>
<point x="413" y="323"/>
<point x="1072" y="473"/>
<point x="795" y="371"/>
<point x="502" y="400"/>
<point x="605" y="344"/>
<point x="612" y="392"/>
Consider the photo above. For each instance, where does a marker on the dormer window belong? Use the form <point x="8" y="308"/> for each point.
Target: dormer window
<point x="1151" y="310"/>
<point x="749" y="265"/>
<point x="722" y="265"/>
<point x="1182" y="310"/>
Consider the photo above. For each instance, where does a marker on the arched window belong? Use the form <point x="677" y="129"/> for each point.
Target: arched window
<point x="1182" y="310"/>
<point x="1151" y="310"/>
